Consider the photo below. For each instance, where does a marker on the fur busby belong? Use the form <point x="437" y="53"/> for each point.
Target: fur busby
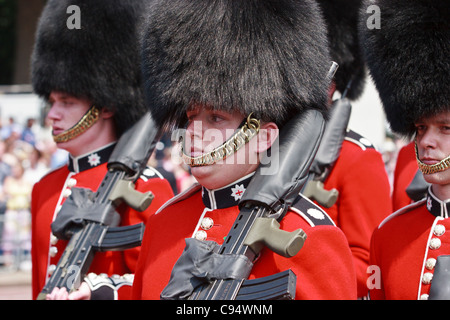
<point x="100" y="61"/>
<point x="341" y="17"/>
<point x="269" y="57"/>
<point x="409" y="59"/>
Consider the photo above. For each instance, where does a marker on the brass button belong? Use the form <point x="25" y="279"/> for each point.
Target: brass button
<point x="72" y="182"/>
<point x="53" y="239"/>
<point x="207" y="223"/>
<point x="53" y="251"/>
<point x="67" y="193"/>
<point x="201" y="235"/>
<point x="439" y="230"/>
<point x="51" y="269"/>
<point x="430" y="263"/>
<point x="427" y="277"/>
<point x="435" y="243"/>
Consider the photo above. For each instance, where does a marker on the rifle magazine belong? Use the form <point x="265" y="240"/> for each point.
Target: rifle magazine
<point x="280" y="286"/>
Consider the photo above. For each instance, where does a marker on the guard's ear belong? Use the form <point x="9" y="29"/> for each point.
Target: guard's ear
<point x="267" y="135"/>
<point x="106" y="113"/>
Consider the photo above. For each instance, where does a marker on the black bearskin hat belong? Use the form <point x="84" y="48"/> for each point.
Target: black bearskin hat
<point x="269" y="57"/>
<point x="341" y="17"/>
<point x="409" y="59"/>
<point x="100" y="61"/>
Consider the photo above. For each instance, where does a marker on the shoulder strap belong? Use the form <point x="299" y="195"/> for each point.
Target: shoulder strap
<point x="359" y="140"/>
<point x="312" y="213"/>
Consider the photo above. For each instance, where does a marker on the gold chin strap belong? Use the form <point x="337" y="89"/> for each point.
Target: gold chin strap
<point x="437" y="167"/>
<point x="87" y="121"/>
<point x="233" y="144"/>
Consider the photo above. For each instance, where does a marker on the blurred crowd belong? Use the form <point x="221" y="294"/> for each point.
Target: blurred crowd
<point x="27" y="152"/>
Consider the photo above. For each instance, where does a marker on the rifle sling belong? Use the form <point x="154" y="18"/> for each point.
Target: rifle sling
<point x="79" y="209"/>
<point x="200" y="264"/>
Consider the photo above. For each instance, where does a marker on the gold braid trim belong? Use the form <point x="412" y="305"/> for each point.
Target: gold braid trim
<point x="233" y="144"/>
<point x="87" y="121"/>
<point x="437" y="167"/>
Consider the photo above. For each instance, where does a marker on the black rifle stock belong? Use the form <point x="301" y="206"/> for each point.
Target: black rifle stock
<point x="89" y="220"/>
<point x="418" y="187"/>
<point x="267" y="198"/>
<point x="328" y="153"/>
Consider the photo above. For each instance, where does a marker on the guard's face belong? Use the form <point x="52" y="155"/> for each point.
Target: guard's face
<point x="65" y="112"/>
<point x="207" y="129"/>
<point x="433" y="144"/>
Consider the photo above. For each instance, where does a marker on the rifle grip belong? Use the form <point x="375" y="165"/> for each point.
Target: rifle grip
<point x="314" y="190"/>
<point x="124" y="190"/>
<point x="266" y="231"/>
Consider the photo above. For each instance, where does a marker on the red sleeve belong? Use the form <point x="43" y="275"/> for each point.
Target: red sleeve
<point x="364" y="201"/>
<point x="323" y="266"/>
<point x="326" y="271"/>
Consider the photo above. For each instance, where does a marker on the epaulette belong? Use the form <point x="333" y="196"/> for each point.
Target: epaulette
<point x="312" y="213"/>
<point x="359" y="140"/>
<point x="150" y="173"/>
<point x="403" y="210"/>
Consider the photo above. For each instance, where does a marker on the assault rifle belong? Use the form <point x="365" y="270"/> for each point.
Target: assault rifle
<point x="266" y="200"/>
<point x="90" y="220"/>
<point x="328" y="153"/>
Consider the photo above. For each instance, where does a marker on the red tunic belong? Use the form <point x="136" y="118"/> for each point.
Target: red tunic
<point x="405" y="247"/>
<point x="364" y="198"/>
<point x="50" y="192"/>
<point x="323" y="266"/>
